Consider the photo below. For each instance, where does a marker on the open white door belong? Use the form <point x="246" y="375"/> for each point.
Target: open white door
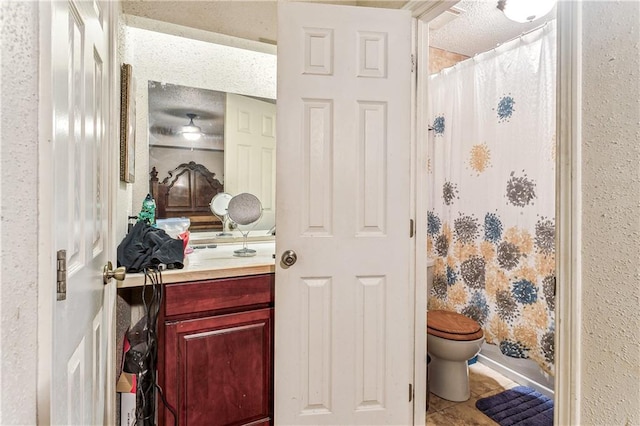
<point x="250" y="152"/>
<point x="76" y="169"/>
<point x="344" y="310"/>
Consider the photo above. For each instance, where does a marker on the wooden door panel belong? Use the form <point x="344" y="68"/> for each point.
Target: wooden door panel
<point x="218" y="369"/>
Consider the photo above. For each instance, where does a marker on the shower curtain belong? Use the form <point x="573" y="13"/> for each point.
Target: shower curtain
<point x="491" y="218"/>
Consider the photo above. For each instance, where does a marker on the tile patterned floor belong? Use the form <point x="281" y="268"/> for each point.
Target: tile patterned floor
<point x="483" y="382"/>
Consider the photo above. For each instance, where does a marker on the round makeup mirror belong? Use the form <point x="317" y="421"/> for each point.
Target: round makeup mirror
<point x="219" y="204"/>
<point x="245" y="210"/>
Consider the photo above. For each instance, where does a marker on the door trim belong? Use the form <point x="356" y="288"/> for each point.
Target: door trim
<point x="427" y="10"/>
<point x="423" y="12"/>
<point x="568" y="340"/>
<point x="113" y="184"/>
<point x="419" y="321"/>
<point x="46" y="251"/>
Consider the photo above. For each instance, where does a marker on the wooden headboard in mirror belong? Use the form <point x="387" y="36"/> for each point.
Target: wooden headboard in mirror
<point x="187" y="192"/>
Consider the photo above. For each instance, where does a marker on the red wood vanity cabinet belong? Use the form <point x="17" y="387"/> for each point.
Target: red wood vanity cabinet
<point x="215" y="352"/>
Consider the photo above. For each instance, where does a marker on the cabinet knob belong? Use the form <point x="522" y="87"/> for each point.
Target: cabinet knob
<point x="289" y="257"/>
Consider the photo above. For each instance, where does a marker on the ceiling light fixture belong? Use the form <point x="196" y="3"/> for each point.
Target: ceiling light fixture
<point x="525" y="10"/>
<point x="191" y="132"/>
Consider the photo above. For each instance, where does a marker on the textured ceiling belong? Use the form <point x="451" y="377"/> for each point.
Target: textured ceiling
<point x="481" y="27"/>
<point x="169" y="105"/>
<point x="252" y="20"/>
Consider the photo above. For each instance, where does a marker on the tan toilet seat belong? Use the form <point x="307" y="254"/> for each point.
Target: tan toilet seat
<point x="452" y="326"/>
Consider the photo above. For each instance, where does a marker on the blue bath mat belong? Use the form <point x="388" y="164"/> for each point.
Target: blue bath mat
<point x="521" y="406"/>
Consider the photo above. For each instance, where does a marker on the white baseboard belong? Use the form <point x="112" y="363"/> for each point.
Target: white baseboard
<point x="515" y="376"/>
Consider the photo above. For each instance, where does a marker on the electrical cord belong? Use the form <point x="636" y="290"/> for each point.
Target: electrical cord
<point x="147" y="384"/>
<point x="166" y="404"/>
<point x="146" y="373"/>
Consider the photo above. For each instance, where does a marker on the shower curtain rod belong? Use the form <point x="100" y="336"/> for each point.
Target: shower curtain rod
<point x="475" y="56"/>
<point x="524" y="33"/>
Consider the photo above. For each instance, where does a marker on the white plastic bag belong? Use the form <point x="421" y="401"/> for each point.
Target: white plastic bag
<point x="174" y="226"/>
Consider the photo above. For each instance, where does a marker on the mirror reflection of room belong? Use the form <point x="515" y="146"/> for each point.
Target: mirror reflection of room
<point x="206" y="142"/>
<point x="186" y="151"/>
<point x="202" y="73"/>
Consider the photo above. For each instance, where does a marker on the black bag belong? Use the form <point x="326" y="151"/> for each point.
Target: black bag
<point x="147" y="247"/>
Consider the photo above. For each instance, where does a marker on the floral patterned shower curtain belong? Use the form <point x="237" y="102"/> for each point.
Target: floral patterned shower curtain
<point x="491" y="226"/>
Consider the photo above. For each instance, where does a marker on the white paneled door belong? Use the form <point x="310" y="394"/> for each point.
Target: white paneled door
<point x="250" y="152"/>
<point x="79" y="146"/>
<point x="343" y="340"/>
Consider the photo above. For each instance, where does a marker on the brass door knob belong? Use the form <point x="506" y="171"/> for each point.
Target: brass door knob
<point x="108" y="272"/>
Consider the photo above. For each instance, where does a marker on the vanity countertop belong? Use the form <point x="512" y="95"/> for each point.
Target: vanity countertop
<point x="210" y="263"/>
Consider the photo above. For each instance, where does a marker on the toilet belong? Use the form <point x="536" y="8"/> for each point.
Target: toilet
<point x="452" y="340"/>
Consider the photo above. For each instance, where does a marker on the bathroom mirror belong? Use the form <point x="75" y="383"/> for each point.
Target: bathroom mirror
<point x="225" y="72"/>
<point x="231" y="136"/>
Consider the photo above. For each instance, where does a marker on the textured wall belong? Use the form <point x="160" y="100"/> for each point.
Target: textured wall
<point x="611" y="214"/>
<point x="170" y="59"/>
<point x="19" y="211"/>
<point x="247" y="19"/>
<point x="440" y="59"/>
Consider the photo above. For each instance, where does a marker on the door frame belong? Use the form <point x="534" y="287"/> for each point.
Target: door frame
<point x="568" y="349"/>
<point x="422" y="12"/>
<point x="46" y="191"/>
<point x="113" y="188"/>
<point x="568" y="339"/>
<point x="46" y="249"/>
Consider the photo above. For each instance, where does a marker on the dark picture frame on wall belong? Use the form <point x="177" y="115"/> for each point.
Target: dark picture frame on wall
<point x="127" y="124"/>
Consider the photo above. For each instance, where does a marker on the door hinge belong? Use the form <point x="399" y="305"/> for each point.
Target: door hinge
<point x="413" y="63"/>
<point x="412" y="228"/>
<point x="61" y="274"/>
<point x="410" y="392"/>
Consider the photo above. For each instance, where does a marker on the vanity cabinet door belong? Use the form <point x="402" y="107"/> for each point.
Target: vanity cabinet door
<point x="218" y="369"/>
